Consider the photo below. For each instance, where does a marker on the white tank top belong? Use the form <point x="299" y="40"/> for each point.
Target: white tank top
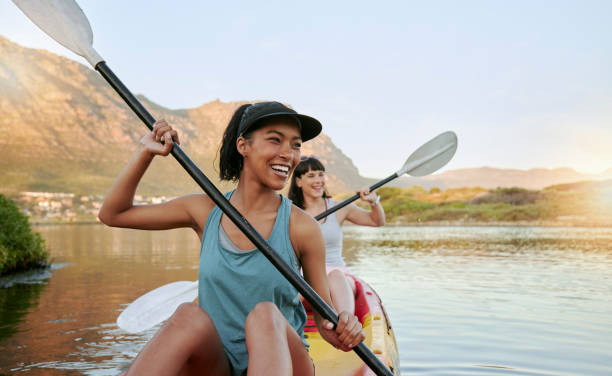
<point x="332" y="234"/>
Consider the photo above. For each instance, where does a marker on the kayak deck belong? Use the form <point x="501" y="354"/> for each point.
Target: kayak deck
<point x="379" y="338"/>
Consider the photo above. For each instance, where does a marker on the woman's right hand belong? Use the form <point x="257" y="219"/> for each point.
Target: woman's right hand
<point x="348" y="333"/>
<point x="152" y="142"/>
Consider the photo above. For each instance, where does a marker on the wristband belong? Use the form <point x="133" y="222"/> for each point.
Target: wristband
<point x="376" y="201"/>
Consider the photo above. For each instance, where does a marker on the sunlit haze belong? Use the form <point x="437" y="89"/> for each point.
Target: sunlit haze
<point x="523" y="84"/>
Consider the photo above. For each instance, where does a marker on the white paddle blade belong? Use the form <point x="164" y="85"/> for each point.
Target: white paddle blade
<point x="64" y="21"/>
<point x="156" y="306"/>
<point x="431" y="156"/>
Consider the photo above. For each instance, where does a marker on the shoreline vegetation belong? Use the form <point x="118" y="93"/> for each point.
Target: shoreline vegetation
<point x="20" y="248"/>
<point x="587" y="204"/>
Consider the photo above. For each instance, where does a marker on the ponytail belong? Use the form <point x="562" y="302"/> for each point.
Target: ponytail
<point x="230" y="161"/>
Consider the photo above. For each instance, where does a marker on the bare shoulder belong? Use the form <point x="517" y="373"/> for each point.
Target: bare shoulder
<point x="300" y="221"/>
<point x="302" y="228"/>
<point x="198" y="199"/>
<point x="199" y="206"/>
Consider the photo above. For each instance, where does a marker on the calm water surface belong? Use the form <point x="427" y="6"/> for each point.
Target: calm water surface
<point x="463" y="300"/>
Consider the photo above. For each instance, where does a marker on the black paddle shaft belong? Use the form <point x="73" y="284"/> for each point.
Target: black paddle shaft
<point x="297" y="281"/>
<point x="354" y="197"/>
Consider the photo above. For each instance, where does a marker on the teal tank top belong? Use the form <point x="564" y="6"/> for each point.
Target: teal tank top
<point x="232" y="282"/>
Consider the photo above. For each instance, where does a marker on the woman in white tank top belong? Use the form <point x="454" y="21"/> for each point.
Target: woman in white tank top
<point x="307" y="191"/>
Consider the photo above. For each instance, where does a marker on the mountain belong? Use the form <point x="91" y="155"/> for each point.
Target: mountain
<point x="488" y="177"/>
<point x="65" y="129"/>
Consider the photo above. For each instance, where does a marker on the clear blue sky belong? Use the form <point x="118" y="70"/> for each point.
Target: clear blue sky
<point x="524" y="84"/>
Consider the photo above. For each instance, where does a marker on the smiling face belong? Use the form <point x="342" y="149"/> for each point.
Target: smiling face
<point x="271" y="152"/>
<point x="312" y="183"/>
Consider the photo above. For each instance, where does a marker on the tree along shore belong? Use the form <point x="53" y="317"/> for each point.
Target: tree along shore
<point x="20" y="248"/>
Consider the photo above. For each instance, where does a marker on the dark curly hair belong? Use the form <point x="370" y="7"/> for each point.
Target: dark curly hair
<point x="230" y="161"/>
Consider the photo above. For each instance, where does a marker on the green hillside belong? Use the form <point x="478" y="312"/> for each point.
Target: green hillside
<point x="582" y="203"/>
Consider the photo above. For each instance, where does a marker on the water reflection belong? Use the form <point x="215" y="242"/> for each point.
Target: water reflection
<point x="463" y="300"/>
<point x="481" y="300"/>
<point x="73" y="325"/>
<point x="14" y="304"/>
<point x="110" y="354"/>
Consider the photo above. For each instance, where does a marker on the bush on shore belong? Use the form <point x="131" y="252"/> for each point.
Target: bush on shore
<point x="20" y="248"/>
<point x="512" y="196"/>
<point x="478" y="205"/>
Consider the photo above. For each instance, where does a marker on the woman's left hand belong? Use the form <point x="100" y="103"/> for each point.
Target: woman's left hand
<point x="162" y="132"/>
<point x="348" y="333"/>
<point x="367" y="196"/>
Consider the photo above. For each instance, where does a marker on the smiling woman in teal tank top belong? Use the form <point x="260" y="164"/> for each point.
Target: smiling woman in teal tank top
<point x="229" y="300"/>
<point x="249" y="316"/>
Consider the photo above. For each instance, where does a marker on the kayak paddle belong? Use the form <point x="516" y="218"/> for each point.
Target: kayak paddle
<point x="64" y="21"/>
<point x="156" y="306"/>
<point x="143" y="313"/>
<point x="430" y="157"/>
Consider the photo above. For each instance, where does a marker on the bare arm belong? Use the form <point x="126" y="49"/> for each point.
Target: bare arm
<point x="118" y="209"/>
<point x="306" y="236"/>
<point x="375" y="217"/>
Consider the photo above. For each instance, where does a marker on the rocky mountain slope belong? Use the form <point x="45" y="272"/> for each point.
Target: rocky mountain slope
<point x="65" y="129"/>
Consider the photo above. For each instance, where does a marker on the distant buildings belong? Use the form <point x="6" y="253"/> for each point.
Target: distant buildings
<point x="61" y="207"/>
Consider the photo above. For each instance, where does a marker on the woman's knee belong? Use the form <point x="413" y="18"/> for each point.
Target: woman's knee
<point x="336" y="276"/>
<point x="191" y="319"/>
<point x="264" y="315"/>
<point x="340" y="282"/>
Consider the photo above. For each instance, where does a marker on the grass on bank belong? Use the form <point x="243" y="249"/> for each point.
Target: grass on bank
<point x="587" y="203"/>
<point x="20" y="248"/>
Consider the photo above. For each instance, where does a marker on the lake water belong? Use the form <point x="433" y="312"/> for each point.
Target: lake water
<point x="463" y="300"/>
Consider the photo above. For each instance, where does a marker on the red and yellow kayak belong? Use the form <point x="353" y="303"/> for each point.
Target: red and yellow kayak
<point x="379" y="338"/>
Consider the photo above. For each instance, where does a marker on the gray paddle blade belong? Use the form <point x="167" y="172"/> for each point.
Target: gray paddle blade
<point x="431" y="156"/>
<point x="156" y="306"/>
<point x="64" y="21"/>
